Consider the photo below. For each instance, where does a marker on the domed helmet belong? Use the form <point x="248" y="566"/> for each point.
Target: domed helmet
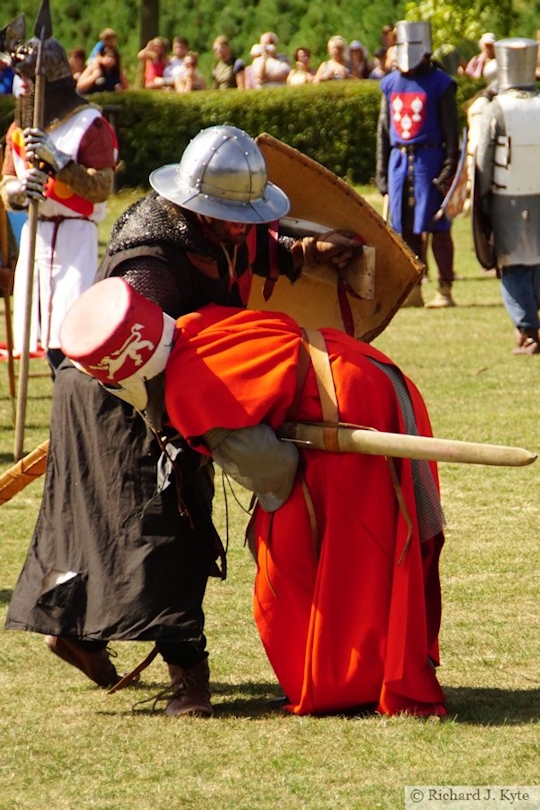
<point x="516" y="62"/>
<point x="222" y="174"/>
<point x="413" y="42"/>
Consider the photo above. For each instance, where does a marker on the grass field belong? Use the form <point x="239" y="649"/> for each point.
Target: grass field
<point x="66" y="745"/>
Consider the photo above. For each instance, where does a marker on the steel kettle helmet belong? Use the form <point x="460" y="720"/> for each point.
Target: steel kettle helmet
<point x="222" y="174"/>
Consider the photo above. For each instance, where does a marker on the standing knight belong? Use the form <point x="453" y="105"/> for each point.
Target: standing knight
<point x="508" y="177"/>
<point x="418" y="150"/>
<point x="68" y="166"/>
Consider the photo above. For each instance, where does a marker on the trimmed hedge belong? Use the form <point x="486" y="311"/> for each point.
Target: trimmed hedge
<point x="334" y="123"/>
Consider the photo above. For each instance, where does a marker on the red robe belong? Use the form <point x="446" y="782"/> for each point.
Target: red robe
<point x="345" y="622"/>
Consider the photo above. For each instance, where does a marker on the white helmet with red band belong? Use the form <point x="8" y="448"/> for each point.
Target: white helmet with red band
<point x="118" y="336"/>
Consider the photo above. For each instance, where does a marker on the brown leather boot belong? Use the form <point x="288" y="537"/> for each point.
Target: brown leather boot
<point x="96" y="665"/>
<point x="529" y="342"/>
<point x="190" y="693"/>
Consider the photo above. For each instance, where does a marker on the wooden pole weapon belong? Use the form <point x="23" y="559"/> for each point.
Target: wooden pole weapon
<point x="42" y="30"/>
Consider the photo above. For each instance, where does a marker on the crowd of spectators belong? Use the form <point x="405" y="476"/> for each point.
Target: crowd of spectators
<point x="178" y="70"/>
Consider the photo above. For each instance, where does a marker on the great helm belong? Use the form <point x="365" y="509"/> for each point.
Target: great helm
<point x="222" y="174"/>
<point x="516" y="62"/>
<point x="413" y="42"/>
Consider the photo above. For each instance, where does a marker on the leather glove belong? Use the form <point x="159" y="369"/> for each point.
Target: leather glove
<point x="335" y="247"/>
<point x="443" y="184"/>
<point x="40" y="146"/>
<point x="33" y="184"/>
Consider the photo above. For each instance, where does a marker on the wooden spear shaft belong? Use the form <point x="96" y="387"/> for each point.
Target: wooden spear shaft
<point x="402" y="445"/>
<point x="42" y="31"/>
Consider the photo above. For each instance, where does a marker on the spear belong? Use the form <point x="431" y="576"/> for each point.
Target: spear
<point x="42" y="30"/>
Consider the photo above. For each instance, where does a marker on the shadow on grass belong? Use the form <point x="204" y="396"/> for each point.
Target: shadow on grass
<point x="262" y="701"/>
<point x="5" y="597"/>
<point x="493" y="707"/>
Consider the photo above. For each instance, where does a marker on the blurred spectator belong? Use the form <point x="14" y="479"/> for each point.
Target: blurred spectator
<point x="388" y="41"/>
<point x="249" y="78"/>
<point x="103" y="73"/>
<point x="190" y="79"/>
<point x="228" y="72"/>
<point x="270" y="40"/>
<point x="336" y="67"/>
<point x="155" y="57"/>
<point x="107" y="38"/>
<point x="301" y="72"/>
<point x="359" y="63"/>
<point x="379" y="64"/>
<point x="175" y="63"/>
<point x="484" y="64"/>
<point x="269" y="69"/>
<point x="6" y="78"/>
<point x="77" y="62"/>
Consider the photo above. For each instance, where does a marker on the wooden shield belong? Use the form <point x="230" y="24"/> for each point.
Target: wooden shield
<point x="484" y="246"/>
<point x="318" y="196"/>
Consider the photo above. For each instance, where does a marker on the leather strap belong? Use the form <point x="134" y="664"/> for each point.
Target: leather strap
<point x="325" y="384"/>
<point x="133" y="675"/>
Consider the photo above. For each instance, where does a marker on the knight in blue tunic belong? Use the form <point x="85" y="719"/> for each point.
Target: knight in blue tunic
<point x="418" y="149"/>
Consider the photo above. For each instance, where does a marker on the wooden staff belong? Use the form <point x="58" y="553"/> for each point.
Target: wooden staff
<point x="6" y="283"/>
<point x="403" y="445"/>
<point x="26" y="470"/>
<point x="42" y="30"/>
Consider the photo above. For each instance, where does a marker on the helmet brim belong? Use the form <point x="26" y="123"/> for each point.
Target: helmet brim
<point x="272" y="205"/>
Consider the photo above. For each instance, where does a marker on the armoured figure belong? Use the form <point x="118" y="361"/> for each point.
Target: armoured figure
<point x="508" y="176"/>
<point x="417" y="151"/>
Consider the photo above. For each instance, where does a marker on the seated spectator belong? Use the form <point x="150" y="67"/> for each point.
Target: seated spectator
<point x="484" y="64"/>
<point x="228" y="72"/>
<point x="301" y="72"/>
<point x="155" y="57"/>
<point x="270" y="69"/>
<point x="359" y="63"/>
<point x="107" y="38"/>
<point x="103" y="74"/>
<point x="77" y="62"/>
<point x="190" y="79"/>
<point x="336" y="67"/>
<point x="175" y="63"/>
<point x="6" y="78"/>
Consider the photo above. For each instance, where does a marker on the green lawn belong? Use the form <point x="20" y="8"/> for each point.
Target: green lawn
<point x="68" y="745"/>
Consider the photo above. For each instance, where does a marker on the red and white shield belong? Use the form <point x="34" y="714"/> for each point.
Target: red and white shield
<point x="408" y="113"/>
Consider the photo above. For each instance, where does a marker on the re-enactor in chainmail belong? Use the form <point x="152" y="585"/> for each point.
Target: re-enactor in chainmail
<point x="124" y="542"/>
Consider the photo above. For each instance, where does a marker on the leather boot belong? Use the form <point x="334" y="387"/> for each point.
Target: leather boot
<point x="443" y="298"/>
<point x="95" y="665"/>
<point x="414" y="299"/>
<point x="529" y="342"/>
<point x="190" y="691"/>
